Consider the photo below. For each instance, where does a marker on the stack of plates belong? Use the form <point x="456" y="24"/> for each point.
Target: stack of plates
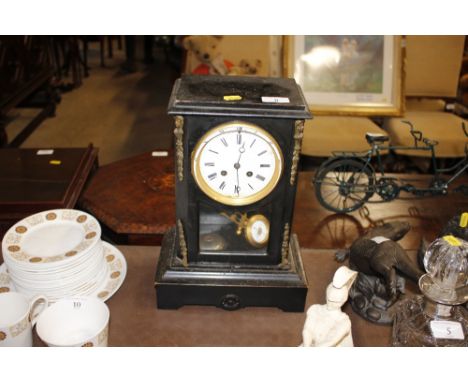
<point x="59" y="253"/>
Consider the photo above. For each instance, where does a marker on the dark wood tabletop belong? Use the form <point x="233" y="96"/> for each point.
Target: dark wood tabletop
<point x="133" y="199"/>
<point x="319" y="228"/>
<point x="34" y="180"/>
<point x="135" y="320"/>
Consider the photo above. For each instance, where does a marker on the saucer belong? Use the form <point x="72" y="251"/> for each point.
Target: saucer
<point x="116" y="270"/>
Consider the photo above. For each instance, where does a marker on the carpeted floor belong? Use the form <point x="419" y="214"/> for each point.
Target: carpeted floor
<point x="122" y="114"/>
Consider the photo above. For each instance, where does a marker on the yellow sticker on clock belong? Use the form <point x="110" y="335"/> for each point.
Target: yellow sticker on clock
<point x="232" y="97"/>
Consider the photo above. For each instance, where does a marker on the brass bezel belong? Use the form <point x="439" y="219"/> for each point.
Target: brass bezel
<point x="248" y="230"/>
<point x="230" y="200"/>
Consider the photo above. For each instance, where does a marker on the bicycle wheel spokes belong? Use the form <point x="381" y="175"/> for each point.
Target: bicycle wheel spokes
<point x="344" y="185"/>
<point x="340" y="202"/>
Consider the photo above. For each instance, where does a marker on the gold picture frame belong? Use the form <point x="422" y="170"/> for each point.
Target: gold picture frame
<point x="348" y="75"/>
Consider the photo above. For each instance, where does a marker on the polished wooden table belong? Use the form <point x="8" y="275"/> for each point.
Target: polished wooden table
<point x="319" y="228"/>
<point x="133" y="199"/>
<point x="135" y="321"/>
<point x="34" y="180"/>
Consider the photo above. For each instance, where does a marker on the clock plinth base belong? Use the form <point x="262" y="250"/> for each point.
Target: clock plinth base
<point x="227" y="286"/>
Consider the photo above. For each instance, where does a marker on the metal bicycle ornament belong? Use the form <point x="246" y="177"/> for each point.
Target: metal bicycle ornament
<point x="347" y="180"/>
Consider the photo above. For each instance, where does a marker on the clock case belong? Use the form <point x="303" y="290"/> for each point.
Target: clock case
<point x="233" y="279"/>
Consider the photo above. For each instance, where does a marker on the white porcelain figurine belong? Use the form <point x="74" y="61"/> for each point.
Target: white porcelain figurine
<point x="327" y="325"/>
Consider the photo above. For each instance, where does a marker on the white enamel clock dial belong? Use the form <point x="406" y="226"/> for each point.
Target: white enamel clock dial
<point x="237" y="163"/>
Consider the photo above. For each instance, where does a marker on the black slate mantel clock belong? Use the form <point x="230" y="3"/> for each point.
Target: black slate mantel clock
<point x="237" y="146"/>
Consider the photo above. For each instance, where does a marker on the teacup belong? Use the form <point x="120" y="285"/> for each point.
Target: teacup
<point x="18" y="315"/>
<point x="80" y="321"/>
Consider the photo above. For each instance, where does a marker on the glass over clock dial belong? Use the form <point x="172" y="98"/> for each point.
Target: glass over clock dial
<point x="237" y="163"/>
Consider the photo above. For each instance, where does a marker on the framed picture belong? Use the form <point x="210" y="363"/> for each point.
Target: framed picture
<point x="347" y="75"/>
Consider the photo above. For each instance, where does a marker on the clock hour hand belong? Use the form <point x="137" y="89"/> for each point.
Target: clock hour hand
<point x="242" y="149"/>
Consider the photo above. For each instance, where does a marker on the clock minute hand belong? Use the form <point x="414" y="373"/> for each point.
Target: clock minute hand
<point x="237" y="165"/>
<point x="237" y="174"/>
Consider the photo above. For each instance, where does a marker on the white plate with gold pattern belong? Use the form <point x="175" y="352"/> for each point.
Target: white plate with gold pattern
<point x="82" y="271"/>
<point x="67" y="283"/>
<point x="112" y="278"/>
<point x="49" y="239"/>
<point x="117" y="270"/>
<point x="5" y="280"/>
